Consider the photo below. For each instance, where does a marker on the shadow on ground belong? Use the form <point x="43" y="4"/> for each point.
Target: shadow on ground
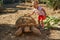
<point x="7" y="33"/>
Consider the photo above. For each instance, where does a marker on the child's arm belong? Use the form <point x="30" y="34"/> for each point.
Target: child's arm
<point x="31" y="14"/>
<point x="44" y="11"/>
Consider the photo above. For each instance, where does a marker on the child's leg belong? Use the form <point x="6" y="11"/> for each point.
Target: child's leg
<point x="38" y="22"/>
<point x="42" y="23"/>
<point x="41" y="20"/>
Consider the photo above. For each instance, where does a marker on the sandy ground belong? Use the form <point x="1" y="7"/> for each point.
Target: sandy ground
<point x="7" y="22"/>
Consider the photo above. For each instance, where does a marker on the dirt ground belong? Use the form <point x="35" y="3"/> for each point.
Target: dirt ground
<point x="7" y="24"/>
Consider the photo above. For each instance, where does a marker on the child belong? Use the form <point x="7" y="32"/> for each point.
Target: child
<point x="41" y="13"/>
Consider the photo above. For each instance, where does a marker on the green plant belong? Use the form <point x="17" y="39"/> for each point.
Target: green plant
<point x="53" y="4"/>
<point x="42" y="1"/>
<point x="51" y="20"/>
<point x="1" y="3"/>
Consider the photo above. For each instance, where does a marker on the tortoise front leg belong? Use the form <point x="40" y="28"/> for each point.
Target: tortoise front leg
<point x="18" y="32"/>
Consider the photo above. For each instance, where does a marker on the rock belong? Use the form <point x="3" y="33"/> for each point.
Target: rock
<point x="13" y="36"/>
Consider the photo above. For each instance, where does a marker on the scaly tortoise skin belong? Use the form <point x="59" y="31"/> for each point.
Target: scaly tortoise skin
<point x="26" y="24"/>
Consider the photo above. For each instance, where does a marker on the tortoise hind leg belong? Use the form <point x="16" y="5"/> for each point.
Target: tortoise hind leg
<point x="35" y="30"/>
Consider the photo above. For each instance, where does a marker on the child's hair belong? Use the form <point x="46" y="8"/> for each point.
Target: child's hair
<point x="35" y="2"/>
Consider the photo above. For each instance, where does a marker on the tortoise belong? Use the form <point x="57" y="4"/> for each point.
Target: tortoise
<point x="26" y="24"/>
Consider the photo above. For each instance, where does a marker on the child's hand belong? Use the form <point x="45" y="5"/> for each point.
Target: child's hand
<point x="29" y="15"/>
